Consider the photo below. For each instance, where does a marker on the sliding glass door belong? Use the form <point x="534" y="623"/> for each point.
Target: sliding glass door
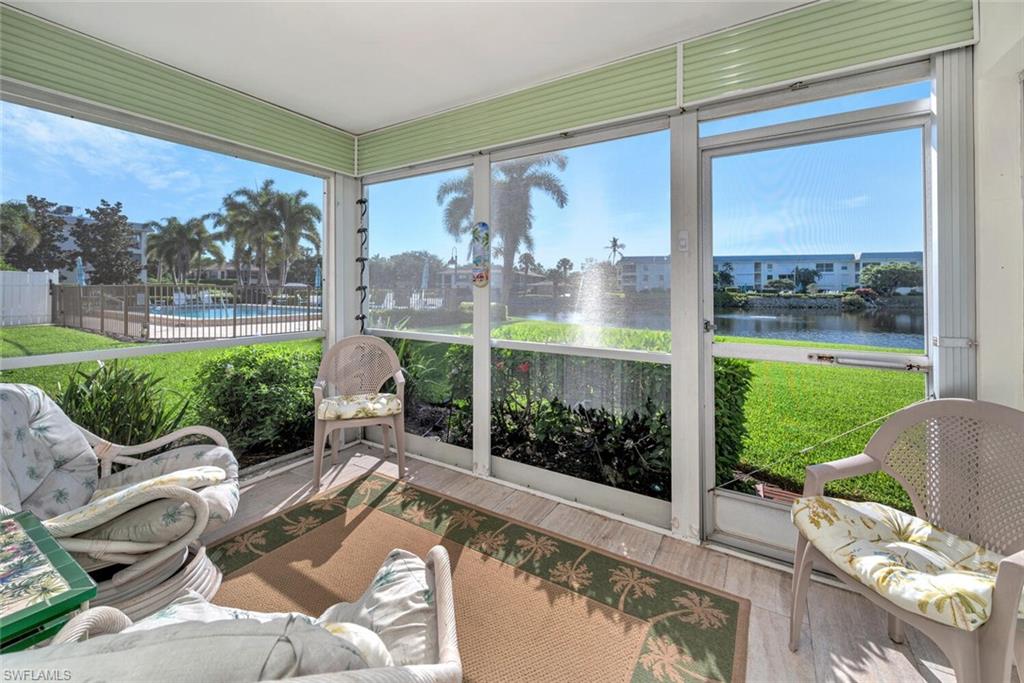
<point x="815" y="290"/>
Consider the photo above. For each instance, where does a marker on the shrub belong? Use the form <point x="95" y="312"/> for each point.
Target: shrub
<point x="866" y="293"/>
<point x="853" y="302"/>
<point x="732" y="383"/>
<point x="259" y="397"/>
<point x="121" y="403"/>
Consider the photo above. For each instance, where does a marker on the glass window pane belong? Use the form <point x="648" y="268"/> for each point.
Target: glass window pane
<point x="807" y="110"/>
<point x="419" y="269"/>
<point x="438" y="389"/>
<point x="790" y="407"/>
<point x="148" y="240"/>
<point x="581" y="245"/>
<point x="822" y="244"/>
<point x="605" y="421"/>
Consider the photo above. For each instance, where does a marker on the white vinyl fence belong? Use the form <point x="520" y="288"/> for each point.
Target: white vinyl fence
<point x="25" y="297"/>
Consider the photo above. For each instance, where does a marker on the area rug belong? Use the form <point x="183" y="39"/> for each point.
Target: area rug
<point x="530" y="605"/>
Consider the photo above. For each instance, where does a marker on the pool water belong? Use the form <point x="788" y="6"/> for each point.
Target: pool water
<point x="218" y="311"/>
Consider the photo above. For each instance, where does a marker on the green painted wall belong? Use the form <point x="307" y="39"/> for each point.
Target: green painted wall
<point x="44" y="55"/>
<point x="818" y="39"/>
<point x="628" y="88"/>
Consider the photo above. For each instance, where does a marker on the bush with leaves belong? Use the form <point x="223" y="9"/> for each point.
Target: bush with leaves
<point x="732" y="383"/>
<point x="259" y="397"/>
<point x="121" y="403"/>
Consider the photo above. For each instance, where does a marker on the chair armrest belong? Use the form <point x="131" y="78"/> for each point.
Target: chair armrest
<point x="318" y="391"/>
<point x="818" y="475"/>
<point x="109" y="453"/>
<point x="96" y="621"/>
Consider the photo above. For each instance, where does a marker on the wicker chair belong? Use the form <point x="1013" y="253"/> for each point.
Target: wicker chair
<point x="356" y="369"/>
<point x="962" y="464"/>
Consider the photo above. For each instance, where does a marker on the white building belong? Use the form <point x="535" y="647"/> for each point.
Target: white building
<point x="642" y="273"/>
<point x="836" y="272"/>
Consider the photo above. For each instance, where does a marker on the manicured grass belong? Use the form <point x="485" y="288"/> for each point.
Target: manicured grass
<point x="36" y="340"/>
<point x="791" y="407"/>
<point x="178" y="370"/>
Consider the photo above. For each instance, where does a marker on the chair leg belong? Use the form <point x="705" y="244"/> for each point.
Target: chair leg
<point x="399" y="423"/>
<point x="384" y="438"/>
<point x="336" y="438"/>
<point x="897" y="634"/>
<point x="963" y="657"/>
<point x="801" y="578"/>
<point x="319" y="438"/>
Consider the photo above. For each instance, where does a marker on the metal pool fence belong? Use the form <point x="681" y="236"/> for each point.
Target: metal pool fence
<point x="164" y="312"/>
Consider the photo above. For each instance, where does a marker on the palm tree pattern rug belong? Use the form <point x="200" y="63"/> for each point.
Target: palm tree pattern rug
<point x="530" y="605"/>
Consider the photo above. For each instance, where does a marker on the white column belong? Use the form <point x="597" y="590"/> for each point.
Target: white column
<point x="482" y="330"/>
<point x="999" y="211"/>
<point x="687" y="333"/>
<point x="953" y="332"/>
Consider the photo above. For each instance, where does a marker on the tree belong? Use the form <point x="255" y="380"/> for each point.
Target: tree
<point x="885" y="278"/>
<point x="723" y="277"/>
<point x="526" y="264"/>
<point x="559" y="275"/>
<point x="297" y="220"/>
<point x="43" y="250"/>
<point x="512" y="186"/>
<point x="16" y="228"/>
<point x="183" y="246"/>
<point x="615" y="249"/>
<point x="254" y="220"/>
<point x="303" y="268"/>
<point x="804" y="277"/>
<point x="105" y="243"/>
<point x="779" y="284"/>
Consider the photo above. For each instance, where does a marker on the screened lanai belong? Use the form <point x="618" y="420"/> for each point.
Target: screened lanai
<point x="631" y="309"/>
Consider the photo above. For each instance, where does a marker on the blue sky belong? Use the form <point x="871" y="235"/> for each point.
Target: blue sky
<point x="70" y="161"/>
<point x="862" y="194"/>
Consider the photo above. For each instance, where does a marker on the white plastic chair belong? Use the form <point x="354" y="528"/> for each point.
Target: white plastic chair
<point x="357" y="365"/>
<point x="962" y="464"/>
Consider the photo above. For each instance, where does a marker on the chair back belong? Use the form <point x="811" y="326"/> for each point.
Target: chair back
<point x="359" y="364"/>
<point x="962" y="463"/>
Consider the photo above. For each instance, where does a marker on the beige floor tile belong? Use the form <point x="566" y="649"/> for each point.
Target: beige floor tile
<point x="768" y="657"/>
<point x="574" y="523"/>
<point x="766" y="587"/>
<point x="851" y="641"/>
<point x="692" y="562"/>
<point x="629" y="541"/>
<point x="525" y="507"/>
<point x="932" y="664"/>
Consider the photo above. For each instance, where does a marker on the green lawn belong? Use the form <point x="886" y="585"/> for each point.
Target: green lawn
<point x="36" y="340"/>
<point x="178" y="369"/>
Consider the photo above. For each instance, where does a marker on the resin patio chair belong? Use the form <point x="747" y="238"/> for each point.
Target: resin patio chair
<point x="135" y="525"/>
<point x="355" y="369"/>
<point x="955" y="571"/>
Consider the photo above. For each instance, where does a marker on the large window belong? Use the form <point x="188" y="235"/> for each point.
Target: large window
<point x="818" y="279"/>
<point x="118" y="244"/>
<point x="421" y="293"/>
<point x="580" y="284"/>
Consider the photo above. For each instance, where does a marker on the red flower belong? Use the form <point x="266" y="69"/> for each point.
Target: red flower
<point x="523" y="367"/>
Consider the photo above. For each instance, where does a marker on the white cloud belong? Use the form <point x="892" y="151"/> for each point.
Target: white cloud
<point x="855" y="202"/>
<point x="98" y="150"/>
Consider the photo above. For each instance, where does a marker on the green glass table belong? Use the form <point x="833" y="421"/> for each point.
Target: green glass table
<point x="41" y="585"/>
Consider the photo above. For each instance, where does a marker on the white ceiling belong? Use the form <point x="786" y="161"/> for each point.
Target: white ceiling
<point x="362" y="65"/>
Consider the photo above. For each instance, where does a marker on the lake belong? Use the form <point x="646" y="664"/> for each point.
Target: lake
<point x="895" y="330"/>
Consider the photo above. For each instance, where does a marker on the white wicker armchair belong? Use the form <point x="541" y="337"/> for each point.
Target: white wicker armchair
<point x="139" y="520"/>
<point x="445" y="664"/>
<point x="956" y="571"/>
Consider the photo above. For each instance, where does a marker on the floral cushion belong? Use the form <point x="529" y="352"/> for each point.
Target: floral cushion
<point x="399" y="607"/>
<point x="349" y="406"/>
<point x="111" y="514"/>
<point x="915" y="565"/>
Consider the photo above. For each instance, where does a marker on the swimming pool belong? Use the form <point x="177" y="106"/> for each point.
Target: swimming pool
<point x="222" y="312"/>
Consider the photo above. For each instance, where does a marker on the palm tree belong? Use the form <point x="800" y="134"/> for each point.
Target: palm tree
<point x="512" y="185"/>
<point x="253" y="216"/>
<point x="297" y="220"/>
<point x="560" y="273"/>
<point x="615" y="249"/>
<point x="182" y="245"/>
<point x="526" y="264"/>
<point x="234" y="228"/>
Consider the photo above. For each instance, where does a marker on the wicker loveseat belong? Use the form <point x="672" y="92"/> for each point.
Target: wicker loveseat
<point x="134" y="525"/>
